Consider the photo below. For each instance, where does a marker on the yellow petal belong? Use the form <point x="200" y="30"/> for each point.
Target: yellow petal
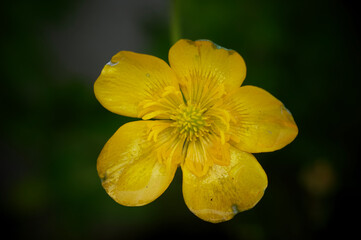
<point x="196" y="159"/>
<point x="260" y="122"/>
<point x="129" y="167"/>
<point x="203" y="66"/>
<point x="131" y="79"/>
<point x="225" y="190"/>
<point x="203" y="153"/>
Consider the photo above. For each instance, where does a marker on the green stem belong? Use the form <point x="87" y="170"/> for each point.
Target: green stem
<point x="175" y="31"/>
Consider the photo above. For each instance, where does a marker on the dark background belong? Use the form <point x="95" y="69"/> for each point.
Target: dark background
<point x="306" y="53"/>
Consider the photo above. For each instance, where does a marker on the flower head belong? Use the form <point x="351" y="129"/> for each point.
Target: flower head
<point x="194" y="115"/>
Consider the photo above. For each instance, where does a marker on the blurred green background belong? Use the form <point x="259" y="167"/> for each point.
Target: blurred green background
<point x="306" y="53"/>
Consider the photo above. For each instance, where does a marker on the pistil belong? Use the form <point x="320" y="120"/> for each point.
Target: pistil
<point x="190" y="121"/>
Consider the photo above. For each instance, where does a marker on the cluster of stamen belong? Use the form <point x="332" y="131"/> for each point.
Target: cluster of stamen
<point x="190" y="122"/>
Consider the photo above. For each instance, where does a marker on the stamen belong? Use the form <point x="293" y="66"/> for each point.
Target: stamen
<point x="152" y="114"/>
<point x="190" y="121"/>
<point x="160" y="106"/>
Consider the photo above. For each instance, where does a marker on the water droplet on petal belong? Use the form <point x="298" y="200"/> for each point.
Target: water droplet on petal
<point x="110" y="63"/>
<point x="235" y="209"/>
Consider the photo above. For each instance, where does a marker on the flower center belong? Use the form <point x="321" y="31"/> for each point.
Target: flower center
<point x="190" y="121"/>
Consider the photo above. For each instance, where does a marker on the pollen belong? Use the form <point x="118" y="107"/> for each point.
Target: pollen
<point x="191" y="122"/>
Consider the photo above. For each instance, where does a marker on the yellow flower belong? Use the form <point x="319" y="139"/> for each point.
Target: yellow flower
<point x="196" y="116"/>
